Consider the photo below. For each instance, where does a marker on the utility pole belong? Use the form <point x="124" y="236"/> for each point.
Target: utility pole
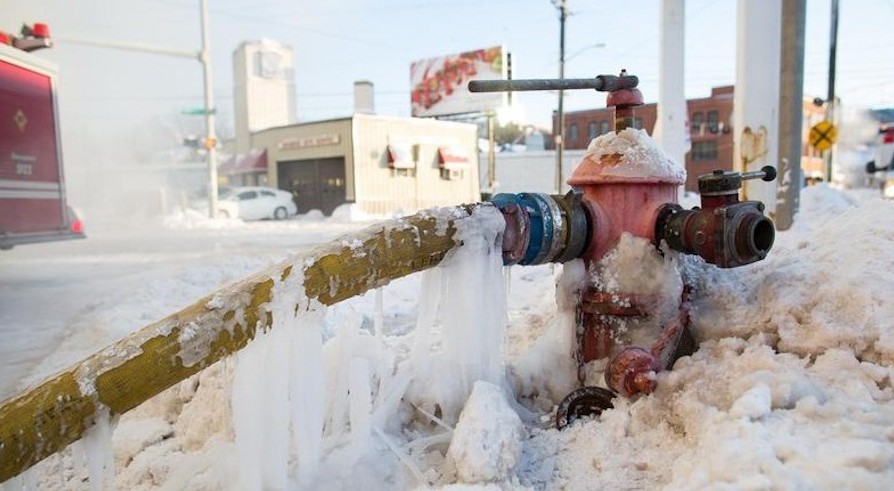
<point x="211" y="135"/>
<point x="830" y="100"/>
<point x="562" y="5"/>
<point x="791" y="112"/>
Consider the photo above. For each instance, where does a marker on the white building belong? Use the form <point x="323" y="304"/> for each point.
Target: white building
<point x="264" y="89"/>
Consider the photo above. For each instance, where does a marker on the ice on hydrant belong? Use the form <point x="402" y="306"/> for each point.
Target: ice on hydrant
<point x="487" y="442"/>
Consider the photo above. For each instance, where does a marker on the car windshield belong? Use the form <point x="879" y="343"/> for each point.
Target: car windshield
<point x="228" y="194"/>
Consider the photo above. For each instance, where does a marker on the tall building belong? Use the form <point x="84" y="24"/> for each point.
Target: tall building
<point x="264" y="88"/>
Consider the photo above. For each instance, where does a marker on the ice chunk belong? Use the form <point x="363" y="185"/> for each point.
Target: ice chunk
<point x="487" y="441"/>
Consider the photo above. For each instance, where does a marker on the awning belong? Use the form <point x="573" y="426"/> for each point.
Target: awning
<point x="400" y="157"/>
<point x="452" y="158"/>
<point x="253" y="161"/>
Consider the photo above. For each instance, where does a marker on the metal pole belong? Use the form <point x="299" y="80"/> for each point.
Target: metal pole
<point x="491" y="154"/>
<point x="560" y="136"/>
<point x="671" y="94"/>
<point x="830" y="99"/>
<point x="791" y="111"/>
<point x="211" y="138"/>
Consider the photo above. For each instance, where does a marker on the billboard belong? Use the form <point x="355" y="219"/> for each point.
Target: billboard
<point x="439" y="86"/>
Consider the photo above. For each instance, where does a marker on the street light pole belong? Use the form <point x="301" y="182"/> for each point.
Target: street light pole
<point x="204" y="57"/>
<point x="562" y="5"/>
<point x="211" y="138"/>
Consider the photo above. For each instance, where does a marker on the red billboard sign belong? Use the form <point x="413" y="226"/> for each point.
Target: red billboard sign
<point x="439" y="86"/>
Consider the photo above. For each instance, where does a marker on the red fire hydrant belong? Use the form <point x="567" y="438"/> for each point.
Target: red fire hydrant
<point x="626" y="185"/>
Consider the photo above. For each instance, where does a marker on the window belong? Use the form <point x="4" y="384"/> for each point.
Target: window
<point x="269" y="64"/>
<point x="604" y="127"/>
<point x="247" y="195"/>
<point x="713" y="121"/>
<point x="592" y="130"/>
<point x="572" y="131"/>
<point x="704" y="151"/>
<point x="268" y="194"/>
<point x="637" y="123"/>
<point x="698" y="119"/>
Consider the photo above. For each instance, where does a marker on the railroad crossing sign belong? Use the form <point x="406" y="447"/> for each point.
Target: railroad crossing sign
<point x="823" y="135"/>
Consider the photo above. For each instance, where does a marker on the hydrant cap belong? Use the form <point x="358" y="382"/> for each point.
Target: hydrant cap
<point x="627" y="156"/>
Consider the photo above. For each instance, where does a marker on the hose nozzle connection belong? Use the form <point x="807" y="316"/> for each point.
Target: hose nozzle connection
<point x="542" y="228"/>
<point x="725" y="231"/>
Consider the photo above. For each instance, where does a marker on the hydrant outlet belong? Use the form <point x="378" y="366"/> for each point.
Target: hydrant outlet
<point x="632" y="371"/>
<point x="725" y="231"/>
<point x="542" y="228"/>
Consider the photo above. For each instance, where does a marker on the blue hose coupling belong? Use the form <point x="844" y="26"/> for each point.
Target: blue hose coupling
<point x="542" y="228"/>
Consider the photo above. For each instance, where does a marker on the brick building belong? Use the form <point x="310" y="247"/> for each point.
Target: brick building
<point x="710" y="121"/>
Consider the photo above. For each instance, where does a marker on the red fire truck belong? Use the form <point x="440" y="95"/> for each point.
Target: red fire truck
<point x="33" y="205"/>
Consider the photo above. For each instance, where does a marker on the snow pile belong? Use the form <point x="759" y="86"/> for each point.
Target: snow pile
<point x="791" y="387"/>
<point x="632" y="153"/>
<point x="187" y="218"/>
<point x="825" y="288"/>
<point x="486" y="444"/>
<point x="635" y="266"/>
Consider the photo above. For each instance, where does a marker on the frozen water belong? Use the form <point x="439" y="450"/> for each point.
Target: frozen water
<point x="361" y="402"/>
<point x="486" y="444"/>
<point x="97" y="443"/>
<point x="791" y="387"/>
<point x="308" y="392"/>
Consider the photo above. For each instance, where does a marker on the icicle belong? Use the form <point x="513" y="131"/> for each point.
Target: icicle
<point x="98" y="447"/>
<point x="13" y="484"/>
<point x="78" y="456"/>
<point x="379" y="315"/>
<point x="434" y="419"/>
<point x="428" y="309"/>
<point x="403" y="457"/>
<point x="276" y="403"/>
<point x="474" y="311"/>
<point x="31" y="478"/>
<point x="339" y="353"/>
<point x="507" y="280"/>
<point x="389" y="398"/>
<point x="61" y="469"/>
<point x="247" y="401"/>
<point x="308" y="392"/>
<point x="360" y="400"/>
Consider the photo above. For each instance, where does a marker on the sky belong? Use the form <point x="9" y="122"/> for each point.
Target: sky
<point x="110" y="96"/>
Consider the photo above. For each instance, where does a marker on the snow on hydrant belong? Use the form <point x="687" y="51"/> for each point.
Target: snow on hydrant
<point x="622" y="218"/>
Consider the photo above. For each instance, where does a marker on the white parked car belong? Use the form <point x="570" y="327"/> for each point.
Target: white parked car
<point x="256" y="203"/>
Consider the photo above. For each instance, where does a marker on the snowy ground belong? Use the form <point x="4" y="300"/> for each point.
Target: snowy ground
<point x="790" y="389"/>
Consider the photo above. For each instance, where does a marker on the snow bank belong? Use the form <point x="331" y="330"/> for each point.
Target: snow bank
<point x="825" y="286"/>
<point x="188" y="218"/>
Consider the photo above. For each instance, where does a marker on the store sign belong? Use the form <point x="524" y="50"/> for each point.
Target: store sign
<point x="309" y="141"/>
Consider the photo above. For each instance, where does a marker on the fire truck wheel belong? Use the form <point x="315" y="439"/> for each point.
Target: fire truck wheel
<point x="280" y="213"/>
<point x="586" y="401"/>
